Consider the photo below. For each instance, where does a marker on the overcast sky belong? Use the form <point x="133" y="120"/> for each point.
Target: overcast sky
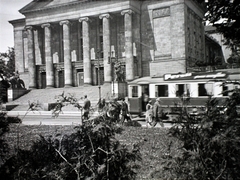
<point x="9" y="11"/>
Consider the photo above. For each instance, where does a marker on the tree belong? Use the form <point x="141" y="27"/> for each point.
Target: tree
<point x="7" y="62"/>
<point x="225" y="16"/>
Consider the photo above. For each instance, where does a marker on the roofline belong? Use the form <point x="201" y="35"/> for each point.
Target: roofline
<point x="22" y="20"/>
<point x="23" y="11"/>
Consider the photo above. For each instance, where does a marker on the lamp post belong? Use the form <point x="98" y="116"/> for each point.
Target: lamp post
<point x="99" y="85"/>
<point x="111" y="60"/>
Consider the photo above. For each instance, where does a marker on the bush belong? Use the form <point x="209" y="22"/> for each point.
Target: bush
<point x="4" y="128"/>
<point x="210" y="150"/>
<point x="91" y="152"/>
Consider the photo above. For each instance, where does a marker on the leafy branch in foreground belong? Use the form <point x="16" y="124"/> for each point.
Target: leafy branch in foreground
<point x="63" y="100"/>
<point x="90" y="152"/>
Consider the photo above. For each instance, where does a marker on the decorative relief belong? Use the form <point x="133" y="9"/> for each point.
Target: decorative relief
<point x="45" y="25"/>
<point x="84" y="19"/>
<point x="28" y="28"/>
<point x="128" y="11"/>
<point x="64" y="22"/>
<point x="104" y="16"/>
<point x="161" y="12"/>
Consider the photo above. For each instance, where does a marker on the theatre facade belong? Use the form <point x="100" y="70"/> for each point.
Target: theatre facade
<point x="69" y="43"/>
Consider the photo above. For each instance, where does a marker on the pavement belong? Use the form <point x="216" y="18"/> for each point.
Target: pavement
<point x="65" y="118"/>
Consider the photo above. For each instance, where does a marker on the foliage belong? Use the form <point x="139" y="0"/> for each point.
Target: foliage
<point x="90" y="152"/>
<point x="9" y="68"/>
<point x="4" y="128"/>
<point x="62" y="101"/>
<point x="234" y="59"/>
<point x="211" y="149"/>
<point x="225" y="16"/>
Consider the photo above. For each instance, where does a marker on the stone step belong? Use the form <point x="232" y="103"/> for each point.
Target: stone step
<point x="46" y="96"/>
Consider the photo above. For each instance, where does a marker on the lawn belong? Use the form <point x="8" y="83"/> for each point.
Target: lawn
<point x="154" y="144"/>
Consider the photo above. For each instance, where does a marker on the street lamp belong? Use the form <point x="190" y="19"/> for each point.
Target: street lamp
<point x="99" y="85"/>
<point x="112" y="58"/>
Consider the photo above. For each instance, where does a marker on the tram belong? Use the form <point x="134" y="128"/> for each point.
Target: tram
<point x="197" y="85"/>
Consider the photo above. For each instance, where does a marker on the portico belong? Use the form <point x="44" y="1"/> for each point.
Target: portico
<point x="63" y="51"/>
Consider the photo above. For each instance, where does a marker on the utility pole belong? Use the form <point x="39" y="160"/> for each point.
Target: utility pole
<point x="99" y="85"/>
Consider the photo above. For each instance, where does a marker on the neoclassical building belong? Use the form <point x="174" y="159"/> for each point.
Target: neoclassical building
<point x="64" y="43"/>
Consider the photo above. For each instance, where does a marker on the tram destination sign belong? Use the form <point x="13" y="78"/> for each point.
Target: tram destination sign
<point x="192" y="76"/>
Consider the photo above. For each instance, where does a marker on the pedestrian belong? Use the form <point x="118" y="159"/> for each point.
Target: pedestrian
<point x="114" y="109"/>
<point x="149" y="111"/>
<point x="158" y="111"/>
<point x="86" y="107"/>
<point x="4" y="85"/>
<point x="124" y="111"/>
<point x="149" y="105"/>
<point x="101" y="104"/>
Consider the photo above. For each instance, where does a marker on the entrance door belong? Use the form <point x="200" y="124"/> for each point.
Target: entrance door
<point x="80" y="78"/>
<point x="145" y="96"/>
<point x="101" y="74"/>
<point x="61" y="79"/>
<point x="43" y="80"/>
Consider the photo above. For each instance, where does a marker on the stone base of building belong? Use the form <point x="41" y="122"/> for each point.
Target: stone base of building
<point x="119" y="89"/>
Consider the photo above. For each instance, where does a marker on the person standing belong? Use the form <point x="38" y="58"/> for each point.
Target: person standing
<point x="86" y="107"/>
<point x="101" y="104"/>
<point x="4" y="85"/>
<point x="124" y="111"/>
<point x="149" y="111"/>
<point x="158" y="111"/>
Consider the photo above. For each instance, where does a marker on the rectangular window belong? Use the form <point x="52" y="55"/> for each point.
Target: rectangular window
<point x="101" y="46"/>
<point x="134" y="91"/>
<point x="161" y="91"/>
<point x="225" y="88"/>
<point x="182" y="89"/>
<point x="179" y="89"/>
<point x="205" y="89"/>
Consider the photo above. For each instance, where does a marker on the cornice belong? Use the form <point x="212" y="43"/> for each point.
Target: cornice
<point x="56" y="6"/>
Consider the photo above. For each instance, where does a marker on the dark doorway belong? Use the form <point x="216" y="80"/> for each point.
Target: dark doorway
<point x="43" y="80"/>
<point x="80" y="78"/>
<point x="101" y="74"/>
<point x="145" y="96"/>
<point x="61" y="79"/>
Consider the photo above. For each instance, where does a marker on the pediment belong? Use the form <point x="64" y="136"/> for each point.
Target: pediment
<point x="37" y="5"/>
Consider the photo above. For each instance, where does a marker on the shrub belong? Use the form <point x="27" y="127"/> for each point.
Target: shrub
<point x="4" y="128"/>
<point x="91" y="152"/>
<point x="211" y="149"/>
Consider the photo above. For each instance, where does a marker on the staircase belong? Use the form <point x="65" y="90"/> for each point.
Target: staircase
<point x="44" y="96"/>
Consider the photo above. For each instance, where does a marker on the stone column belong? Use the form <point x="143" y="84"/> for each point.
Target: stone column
<point x="106" y="47"/>
<point x="67" y="54"/>
<point x="86" y="51"/>
<point x="48" y="56"/>
<point x="128" y="44"/>
<point x="31" y="59"/>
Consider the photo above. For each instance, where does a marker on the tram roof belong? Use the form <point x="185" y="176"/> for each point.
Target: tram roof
<point x="185" y="78"/>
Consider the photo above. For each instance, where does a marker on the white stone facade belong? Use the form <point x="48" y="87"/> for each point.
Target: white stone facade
<point x="66" y="39"/>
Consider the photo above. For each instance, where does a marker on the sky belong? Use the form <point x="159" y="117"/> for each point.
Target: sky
<point x="9" y="11"/>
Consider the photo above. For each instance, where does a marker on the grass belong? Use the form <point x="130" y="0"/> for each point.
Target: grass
<point x="154" y="144"/>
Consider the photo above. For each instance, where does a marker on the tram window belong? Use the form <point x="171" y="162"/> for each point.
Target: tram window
<point x="182" y="89"/>
<point x="179" y="90"/>
<point x="202" y="90"/>
<point x="225" y="88"/>
<point x="161" y="91"/>
<point x="134" y="91"/>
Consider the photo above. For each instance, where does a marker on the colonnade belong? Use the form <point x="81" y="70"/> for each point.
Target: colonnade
<point x="86" y="51"/>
